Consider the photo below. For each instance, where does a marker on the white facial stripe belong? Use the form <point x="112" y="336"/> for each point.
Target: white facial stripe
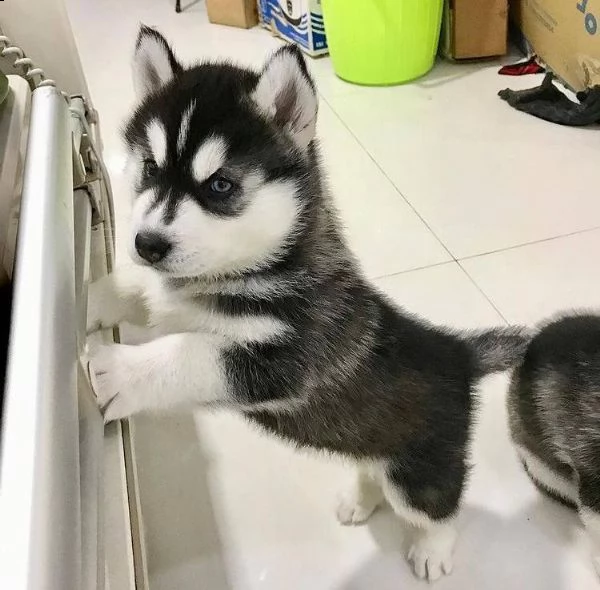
<point x="141" y="207"/>
<point x="209" y="158"/>
<point x="185" y="127"/>
<point x="157" y="138"/>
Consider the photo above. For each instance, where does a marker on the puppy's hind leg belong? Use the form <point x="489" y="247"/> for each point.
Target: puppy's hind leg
<point x="428" y="499"/>
<point x="361" y="499"/>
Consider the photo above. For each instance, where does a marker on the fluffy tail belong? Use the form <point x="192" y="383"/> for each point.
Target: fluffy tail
<point x="499" y="349"/>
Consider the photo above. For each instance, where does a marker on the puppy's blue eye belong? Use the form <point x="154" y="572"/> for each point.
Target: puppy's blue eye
<point x="221" y="185"/>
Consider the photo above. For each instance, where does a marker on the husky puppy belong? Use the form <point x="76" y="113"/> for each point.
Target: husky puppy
<point x="554" y="410"/>
<point x="265" y="310"/>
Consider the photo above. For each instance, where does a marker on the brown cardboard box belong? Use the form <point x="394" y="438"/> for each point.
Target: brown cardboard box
<point x="565" y="35"/>
<point x="237" y="13"/>
<point x="474" y="28"/>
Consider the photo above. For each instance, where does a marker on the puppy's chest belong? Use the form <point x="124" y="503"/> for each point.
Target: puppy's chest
<point x="176" y="314"/>
<point x="171" y="312"/>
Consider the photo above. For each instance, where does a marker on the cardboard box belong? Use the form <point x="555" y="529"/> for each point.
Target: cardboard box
<point x="474" y="28"/>
<point x="298" y="21"/>
<point x="236" y="13"/>
<point x="565" y="35"/>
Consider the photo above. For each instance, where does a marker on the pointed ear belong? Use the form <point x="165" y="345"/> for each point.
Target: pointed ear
<point x="286" y="93"/>
<point x="154" y="62"/>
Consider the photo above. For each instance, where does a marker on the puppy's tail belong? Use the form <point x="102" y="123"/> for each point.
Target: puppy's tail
<point x="498" y="349"/>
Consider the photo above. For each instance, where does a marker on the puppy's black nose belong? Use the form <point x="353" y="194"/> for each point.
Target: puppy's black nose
<point x="151" y="247"/>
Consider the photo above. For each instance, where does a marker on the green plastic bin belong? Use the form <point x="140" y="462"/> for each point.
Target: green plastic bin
<point x="379" y="42"/>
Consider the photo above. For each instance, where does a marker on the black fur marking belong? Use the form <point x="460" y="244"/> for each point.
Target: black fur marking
<point x="434" y="486"/>
<point x="589" y="489"/>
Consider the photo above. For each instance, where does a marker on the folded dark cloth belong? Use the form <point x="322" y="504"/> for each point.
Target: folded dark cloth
<point x="548" y="102"/>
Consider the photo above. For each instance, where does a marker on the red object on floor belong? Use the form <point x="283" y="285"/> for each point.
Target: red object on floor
<point x="522" y="68"/>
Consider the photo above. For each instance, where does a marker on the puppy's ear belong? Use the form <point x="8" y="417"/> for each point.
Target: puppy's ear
<point x="154" y="62"/>
<point x="286" y="93"/>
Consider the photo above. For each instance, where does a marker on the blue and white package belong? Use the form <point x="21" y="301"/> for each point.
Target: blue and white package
<point x="299" y="21"/>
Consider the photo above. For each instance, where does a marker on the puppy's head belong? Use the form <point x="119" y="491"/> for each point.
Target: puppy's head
<point x="218" y="159"/>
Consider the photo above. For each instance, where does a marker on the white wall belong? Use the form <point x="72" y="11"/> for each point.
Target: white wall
<point x="43" y="30"/>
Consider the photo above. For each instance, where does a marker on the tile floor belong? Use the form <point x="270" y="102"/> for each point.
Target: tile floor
<point x="463" y="210"/>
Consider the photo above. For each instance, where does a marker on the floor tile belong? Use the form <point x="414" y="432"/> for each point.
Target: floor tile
<point x="328" y="83"/>
<point x="482" y="175"/>
<point x="382" y="230"/>
<point x="443" y="295"/>
<point x="531" y="283"/>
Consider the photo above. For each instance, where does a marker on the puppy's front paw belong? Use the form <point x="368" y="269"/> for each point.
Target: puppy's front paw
<point x="118" y="377"/>
<point x="431" y="552"/>
<point x="99" y="308"/>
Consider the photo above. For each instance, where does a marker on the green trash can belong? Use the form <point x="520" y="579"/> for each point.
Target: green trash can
<point x="380" y="42"/>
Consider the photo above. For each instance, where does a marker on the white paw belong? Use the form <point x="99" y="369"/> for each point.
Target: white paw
<point x="94" y="321"/>
<point x="99" y="312"/>
<point x="431" y="552"/>
<point x="118" y="379"/>
<point x="351" y="512"/>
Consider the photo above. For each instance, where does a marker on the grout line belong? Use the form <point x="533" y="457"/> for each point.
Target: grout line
<point x="415" y="269"/>
<point x="389" y="179"/>
<point x="533" y="242"/>
<point x="337" y="93"/>
<point x="460" y="266"/>
<point x="487" y="297"/>
<point x="453" y="258"/>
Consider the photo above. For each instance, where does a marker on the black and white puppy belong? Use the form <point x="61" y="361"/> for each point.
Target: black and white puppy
<point x="263" y="307"/>
<point x="554" y="409"/>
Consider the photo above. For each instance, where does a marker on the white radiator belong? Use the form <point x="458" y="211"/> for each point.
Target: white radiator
<point x="69" y="515"/>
